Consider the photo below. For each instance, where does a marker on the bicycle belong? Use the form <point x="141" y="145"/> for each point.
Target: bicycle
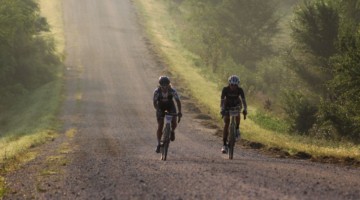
<point x="165" y="141"/>
<point x="233" y="113"/>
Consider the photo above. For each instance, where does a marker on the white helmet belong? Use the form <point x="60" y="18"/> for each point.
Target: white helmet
<point x="234" y="80"/>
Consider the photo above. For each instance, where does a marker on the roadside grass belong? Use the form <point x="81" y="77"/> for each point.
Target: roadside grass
<point x="32" y="120"/>
<point x="162" y="33"/>
<point x="2" y="186"/>
<point x="269" y="122"/>
<point x="12" y="164"/>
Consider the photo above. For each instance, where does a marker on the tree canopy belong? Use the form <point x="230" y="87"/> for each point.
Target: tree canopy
<point x="27" y="57"/>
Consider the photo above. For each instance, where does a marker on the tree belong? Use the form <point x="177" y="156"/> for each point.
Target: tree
<point x="315" y="34"/>
<point x="328" y="48"/>
<point x="240" y="29"/>
<point x="27" y="59"/>
<point x="345" y="112"/>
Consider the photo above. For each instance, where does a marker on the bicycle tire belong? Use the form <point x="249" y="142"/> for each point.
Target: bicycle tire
<point x="231" y="140"/>
<point x="166" y="141"/>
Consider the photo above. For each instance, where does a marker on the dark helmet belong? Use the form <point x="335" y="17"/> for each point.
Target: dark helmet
<point x="164" y="81"/>
<point x="234" y="80"/>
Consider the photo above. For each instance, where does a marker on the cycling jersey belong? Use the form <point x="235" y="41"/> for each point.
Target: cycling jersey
<point x="232" y="97"/>
<point x="165" y="99"/>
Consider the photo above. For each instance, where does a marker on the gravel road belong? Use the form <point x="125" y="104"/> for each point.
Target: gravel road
<point x="110" y="79"/>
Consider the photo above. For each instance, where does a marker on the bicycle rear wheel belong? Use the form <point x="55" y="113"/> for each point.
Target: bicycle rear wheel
<point x="231" y="140"/>
<point x="165" y="142"/>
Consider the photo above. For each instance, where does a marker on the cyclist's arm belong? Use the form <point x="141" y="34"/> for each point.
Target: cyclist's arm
<point x="177" y="99"/>
<point x="222" y="99"/>
<point x="243" y="100"/>
<point x="178" y="103"/>
<point x="222" y="103"/>
<point x="155" y="99"/>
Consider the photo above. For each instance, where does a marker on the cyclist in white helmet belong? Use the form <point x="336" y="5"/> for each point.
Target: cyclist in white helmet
<point x="231" y="96"/>
<point x="163" y="101"/>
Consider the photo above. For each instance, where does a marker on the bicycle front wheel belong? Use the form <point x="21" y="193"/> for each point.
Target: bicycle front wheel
<point x="166" y="141"/>
<point x="231" y="140"/>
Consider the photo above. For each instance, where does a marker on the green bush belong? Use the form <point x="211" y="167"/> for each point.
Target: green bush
<point x="301" y="112"/>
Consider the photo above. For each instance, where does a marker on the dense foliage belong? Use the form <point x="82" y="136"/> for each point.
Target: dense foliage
<point x="27" y="57"/>
<point x="326" y="34"/>
<point x="305" y="61"/>
<point x="239" y="29"/>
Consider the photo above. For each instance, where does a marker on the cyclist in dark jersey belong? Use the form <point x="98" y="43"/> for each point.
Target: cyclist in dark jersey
<point x="163" y="101"/>
<point x="232" y="96"/>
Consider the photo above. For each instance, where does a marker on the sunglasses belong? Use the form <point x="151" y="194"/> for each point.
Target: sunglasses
<point x="233" y="85"/>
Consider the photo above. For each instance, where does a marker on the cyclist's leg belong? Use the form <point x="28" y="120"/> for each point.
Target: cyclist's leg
<point x="159" y="134"/>
<point x="173" y="122"/>
<point x="224" y="149"/>
<point x="237" y="122"/>
<point x="159" y="130"/>
<point x="160" y="121"/>
<point x="173" y="127"/>
<point x="226" y="128"/>
<point x="172" y="109"/>
<point x="237" y="119"/>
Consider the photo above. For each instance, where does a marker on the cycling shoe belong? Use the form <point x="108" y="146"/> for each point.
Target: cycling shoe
<point x="224" y="149"/>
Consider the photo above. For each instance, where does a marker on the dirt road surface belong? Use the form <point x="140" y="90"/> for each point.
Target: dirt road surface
<point x="111" y="76"/>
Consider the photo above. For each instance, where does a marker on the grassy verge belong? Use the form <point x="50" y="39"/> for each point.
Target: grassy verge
<point x="163" y="34"/>
<point x="33" y="119"/>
